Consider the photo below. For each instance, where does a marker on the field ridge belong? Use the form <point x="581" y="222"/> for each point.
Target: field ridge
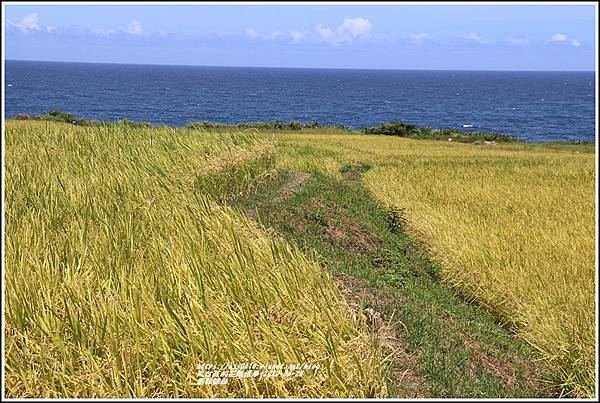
<point x="358" y="248"/>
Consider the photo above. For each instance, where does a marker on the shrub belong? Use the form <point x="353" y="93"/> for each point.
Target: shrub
<point x="395" y="128"/>
<point x="277" y="124"/>
<point x="401" y="129"/>
<point x="295" y="125"/>
<point x="62" y="116"/>
<point x="396" y="218"/>
<point x="205" y="125"/>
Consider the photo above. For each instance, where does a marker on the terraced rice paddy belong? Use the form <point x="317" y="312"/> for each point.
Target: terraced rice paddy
<point x="511" y="224"/>
<point x="123" y="273"/>
<point x="126" y="265"/>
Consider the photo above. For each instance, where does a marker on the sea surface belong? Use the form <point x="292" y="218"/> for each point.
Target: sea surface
<point x="536" y="106"/>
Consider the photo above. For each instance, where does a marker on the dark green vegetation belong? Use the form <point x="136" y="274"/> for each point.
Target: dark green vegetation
<point x="277" y="125"/>
<point x="443" y="346"/>
<point x="395" y="128"/>
<point x="293" y="125"/>
<point x="67" y="117"/>
<point x="402" y="129"/>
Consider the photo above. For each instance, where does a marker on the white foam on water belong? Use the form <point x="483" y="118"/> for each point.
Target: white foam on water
<point x="467" y="125"/>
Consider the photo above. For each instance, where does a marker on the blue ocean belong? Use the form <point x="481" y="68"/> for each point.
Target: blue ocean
<point x="536" y="106"/>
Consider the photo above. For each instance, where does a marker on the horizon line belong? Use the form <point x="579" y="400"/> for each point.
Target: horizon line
<point x="288" y="67"/>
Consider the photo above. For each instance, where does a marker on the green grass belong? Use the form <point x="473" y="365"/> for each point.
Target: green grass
<point x="459" y="348"/>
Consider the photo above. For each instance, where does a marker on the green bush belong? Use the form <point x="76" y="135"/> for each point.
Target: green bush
<point x="55" y="115"/>
<point x="401" y="129"/>
<point x="62" y="116"/>
<point x="205" y="125"/>
<point x="277" y="124"/>
<point x="295" y="125"/>
<point x="395" y="128"/>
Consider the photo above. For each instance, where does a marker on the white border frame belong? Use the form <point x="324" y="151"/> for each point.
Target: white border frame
<point x="313" y="3"/>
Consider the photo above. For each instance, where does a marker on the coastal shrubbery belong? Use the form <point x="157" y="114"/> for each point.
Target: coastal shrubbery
<point x="293" y="125"/>
<point x="402" y="129"/>
<point x="55" y="115"/>
<point x="393" y="128"/>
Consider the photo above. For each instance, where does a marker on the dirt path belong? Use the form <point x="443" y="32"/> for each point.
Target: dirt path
<point x="292" y="187"/>
<point x="435" y="343"/>
<point x="402" y="366"/>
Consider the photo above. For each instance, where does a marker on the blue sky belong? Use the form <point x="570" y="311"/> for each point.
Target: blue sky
<point x="470" y="37"/>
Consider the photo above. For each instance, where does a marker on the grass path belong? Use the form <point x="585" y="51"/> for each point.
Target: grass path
<point x="293" y="186"/>
<point x="437" y="345"/>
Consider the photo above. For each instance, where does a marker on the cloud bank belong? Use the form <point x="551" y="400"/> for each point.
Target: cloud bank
<point x="30" y="24"/>
<point x="558" y="37"/>
<point x="350" y="30"/>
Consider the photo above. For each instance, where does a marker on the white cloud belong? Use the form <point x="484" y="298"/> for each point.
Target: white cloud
<point x="218" y="34"/>
<point x="515" y="41"/>
<point x="31" y="23"/>
<point x="251" y="33"/>
<point x="421" y="35"/>
<point x="563" y="38"/>
<point x="417" y="39"/>
<point x="102" y="32"/>
<point x="28" y="23"/>
<point x="324" y="33"/>
<point x="472" y="36"/>
<point x="349" y="30"/>
<point x="297" y="36"/>
<point x="135" y="28"/>
<point x="355" y="27"/>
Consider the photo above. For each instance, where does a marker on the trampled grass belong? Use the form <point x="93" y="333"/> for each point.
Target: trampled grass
<point x="511" y="224"/>
<point x="123" y="272"/>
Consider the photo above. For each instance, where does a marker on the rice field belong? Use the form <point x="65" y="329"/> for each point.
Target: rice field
<point x="125" y="269"/>
<point x="511" y="224"/>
